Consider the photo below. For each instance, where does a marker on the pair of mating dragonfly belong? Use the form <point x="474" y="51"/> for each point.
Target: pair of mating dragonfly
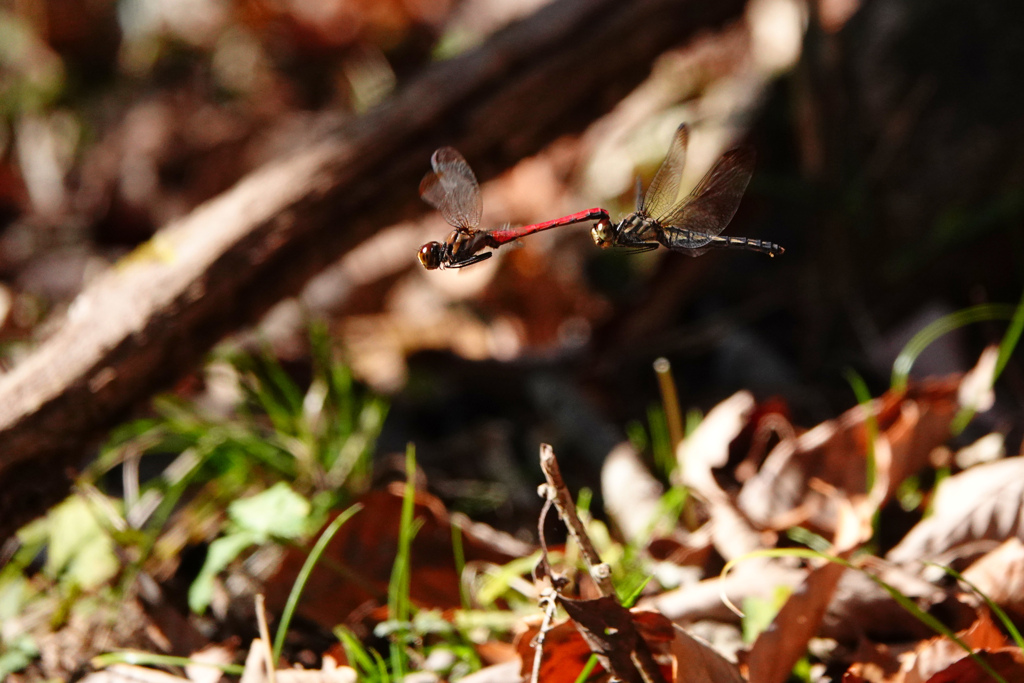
<point x="691" y="225"/>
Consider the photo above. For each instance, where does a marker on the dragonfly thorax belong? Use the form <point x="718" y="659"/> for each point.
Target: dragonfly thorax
<point x="637" y="226"/>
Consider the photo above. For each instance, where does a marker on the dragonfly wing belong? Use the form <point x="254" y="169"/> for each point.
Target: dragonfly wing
<point x="687" y="240"/>
<point x="431" y="190"/>
<point x="713" y="203"/>
<point x="664" y="190"/>
<point x="453" y="189"/>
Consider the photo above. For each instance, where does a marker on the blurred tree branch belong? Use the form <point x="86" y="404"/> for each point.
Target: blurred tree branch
<point x="151" y="318"/>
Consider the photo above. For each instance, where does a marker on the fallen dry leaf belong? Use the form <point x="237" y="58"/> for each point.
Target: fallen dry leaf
<point x="506" y="672"/>
<point x="759" y="577"/>
<point x="1008" y="663"/>
<point x="632" y="496"/>
<point x="988" y="448"/>
<point x="999" y="575"/>
<point x="939" y="653"/>
<point x="356" y="567"/>
<point x="119" y="673"/>
<point x="707" y="447"/>
<point x="609" y="631"/>
<point x="564" y="656"/>
<point x="699" y="454"/>
<point x="910" y="425"/>
<point x="779" y="647"/>
<point x="873" y="663"/>
<point x="613" y="630"/>
<point x="697" y="662"/>
<point x="984" y="502"/>
<point x="204" y="669"/>
<point x="976" y="388"/>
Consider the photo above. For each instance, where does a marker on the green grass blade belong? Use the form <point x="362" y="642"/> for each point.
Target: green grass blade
<point x="459" y="553"/>
<point x="587" y="669"/>
<point x="901" y="599"/>
<point x="934" y="624"/>
<point x="1006" y="348"/>
<point x="401" y="573"/>
<point x="938" y="328"/>
<point x="1011" y="338"/>
<point x="1004" y="619"/>
<point x="303" y="577"/>
<point x="371" y="668"/>
<point x="863" y="394"/>
<point x="149" y="658"/>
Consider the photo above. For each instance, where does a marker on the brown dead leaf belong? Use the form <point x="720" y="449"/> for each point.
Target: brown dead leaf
<point x="118" y="673"/>
<point x="861" y="608"/>
<point x="356" y="566"/>
<point x="565" y="653"/>
<point x="506" y="672"/>
<point x="999" y="575"/>
<point x="988" y="448"/>
<point x="984" y="502"/>
<point x="613" y="632"/>
<point x="329" y="673"/>
<point x="910" y="425"/>
<point x="204" y="663"/>
<point x="976" y="388"/>
<point x="704" y="450"/>
<point x="1008" y="663"/>
<point x="758" y="577"/>
<point x="707" y="447"/>
<point x="872" y="663"/>
<point x="632" y="496"/>
<point x="778" y="648"/>
<point x="607" y="628"/>
<point x="697" y="662"/>
<point x="938" y="654"/>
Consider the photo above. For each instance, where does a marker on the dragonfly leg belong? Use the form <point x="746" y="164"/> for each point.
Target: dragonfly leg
<point x="639" y="247"/>
<point x="470" y="260"/>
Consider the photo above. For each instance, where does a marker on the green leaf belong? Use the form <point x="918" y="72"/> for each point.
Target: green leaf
<point x="80" y="553"/>
<point x="944" y="325"/>
<point x="304" y="574"/>
<point x="277" y="512"/>
<point x="759" y="612"/>
<point x="221" y="553"/>
<point x="17" y="654"/>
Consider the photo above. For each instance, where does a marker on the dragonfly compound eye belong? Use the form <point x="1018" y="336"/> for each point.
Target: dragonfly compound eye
<point x="602" y="233"/>
<point x="430" y="255"/>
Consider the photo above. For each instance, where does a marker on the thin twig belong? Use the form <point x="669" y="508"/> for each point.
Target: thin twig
<point x="559" y="495"/>
<point x="550" y="604"/>
<point x="268" y="653"/>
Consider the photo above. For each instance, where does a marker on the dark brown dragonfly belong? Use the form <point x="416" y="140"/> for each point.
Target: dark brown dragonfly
<point x="453" y="190"/>
<point x="692" y="224"/>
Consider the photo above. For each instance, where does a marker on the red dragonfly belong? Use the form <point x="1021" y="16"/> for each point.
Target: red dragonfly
<point x="452" y="189"/>
<point x="692" y="224"/>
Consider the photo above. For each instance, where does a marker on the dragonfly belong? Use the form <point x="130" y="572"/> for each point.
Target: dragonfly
<point x="452" y="189"/>
<point x="693" y="224"/>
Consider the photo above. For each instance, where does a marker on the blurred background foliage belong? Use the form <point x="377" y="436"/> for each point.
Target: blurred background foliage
<point x="890" y="137"/>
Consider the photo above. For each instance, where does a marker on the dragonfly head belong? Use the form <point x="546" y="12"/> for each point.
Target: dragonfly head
<point x="603" y="233"/>
<point x="431" y="254"/>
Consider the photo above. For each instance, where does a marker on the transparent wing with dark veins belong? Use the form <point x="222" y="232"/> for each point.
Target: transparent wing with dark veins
<point x="431" y="191"/>
<point x="663" y="194"/>
<point x="708" y="209"/>
<point x="452" y="189"/>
